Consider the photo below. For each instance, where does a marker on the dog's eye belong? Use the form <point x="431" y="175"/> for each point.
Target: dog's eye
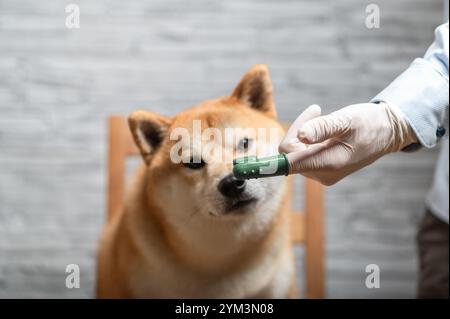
<point x="244" y="143"/>
<point x="193" y="165"/>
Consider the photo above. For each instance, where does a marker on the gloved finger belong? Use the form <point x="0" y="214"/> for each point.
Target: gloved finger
<point x="323" y="128"/>
<point x="328" y="165"/>
<point x="311" y="155"/>
<point x="290" y="142"/>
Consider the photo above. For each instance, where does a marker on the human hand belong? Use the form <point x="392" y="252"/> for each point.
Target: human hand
<point x="328" y="148"/>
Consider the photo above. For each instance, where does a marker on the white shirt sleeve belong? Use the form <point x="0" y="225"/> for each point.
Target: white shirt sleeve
<point x="422" y="91"/>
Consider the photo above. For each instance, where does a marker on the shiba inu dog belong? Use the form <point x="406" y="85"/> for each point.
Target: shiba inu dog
<point x="190" y="229"/>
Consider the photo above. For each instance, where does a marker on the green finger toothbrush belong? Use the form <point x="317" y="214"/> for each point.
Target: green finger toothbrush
<point x="253" y="167"/>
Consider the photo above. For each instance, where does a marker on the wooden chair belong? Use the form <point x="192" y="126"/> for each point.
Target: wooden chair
<point x="307" y="227"/>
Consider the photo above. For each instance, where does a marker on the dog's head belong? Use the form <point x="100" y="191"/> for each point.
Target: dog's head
<point x="189" y="157"/>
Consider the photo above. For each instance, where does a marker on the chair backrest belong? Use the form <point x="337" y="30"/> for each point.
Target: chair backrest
<point x="306" y="227"/>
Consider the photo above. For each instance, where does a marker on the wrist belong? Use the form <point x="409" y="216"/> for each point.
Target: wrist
<point x="403" y="135"/>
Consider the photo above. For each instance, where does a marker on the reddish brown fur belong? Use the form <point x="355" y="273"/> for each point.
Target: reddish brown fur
<point x="142" y="228"/>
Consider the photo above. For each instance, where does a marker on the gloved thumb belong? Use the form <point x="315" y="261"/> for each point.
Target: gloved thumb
<point x="323" y="128"/>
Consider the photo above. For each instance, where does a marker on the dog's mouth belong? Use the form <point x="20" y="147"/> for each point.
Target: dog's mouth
<point x="237" y="204"/>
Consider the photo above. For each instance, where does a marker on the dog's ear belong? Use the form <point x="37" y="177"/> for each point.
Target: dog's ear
<point x="255" y="90"/>
<point x="148" y="130"/>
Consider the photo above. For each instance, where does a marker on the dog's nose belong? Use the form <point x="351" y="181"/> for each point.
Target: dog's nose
<point x="230" y="186"/>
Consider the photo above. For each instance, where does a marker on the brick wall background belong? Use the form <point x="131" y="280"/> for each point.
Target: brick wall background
<point x="57" y="86"/>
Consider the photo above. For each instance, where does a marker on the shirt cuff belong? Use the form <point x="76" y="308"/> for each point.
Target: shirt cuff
<point x="421" y="93"/>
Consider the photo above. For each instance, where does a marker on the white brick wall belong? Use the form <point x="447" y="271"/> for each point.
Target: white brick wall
<point x="57" y="87"/>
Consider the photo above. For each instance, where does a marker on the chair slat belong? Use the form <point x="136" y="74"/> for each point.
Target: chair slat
<point x="118" y="142"/>
<point x="297" y="227"/>
<point x="315" y="239"/>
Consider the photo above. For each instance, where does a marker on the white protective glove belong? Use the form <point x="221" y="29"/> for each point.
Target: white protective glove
<point x="328" y="148"/>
